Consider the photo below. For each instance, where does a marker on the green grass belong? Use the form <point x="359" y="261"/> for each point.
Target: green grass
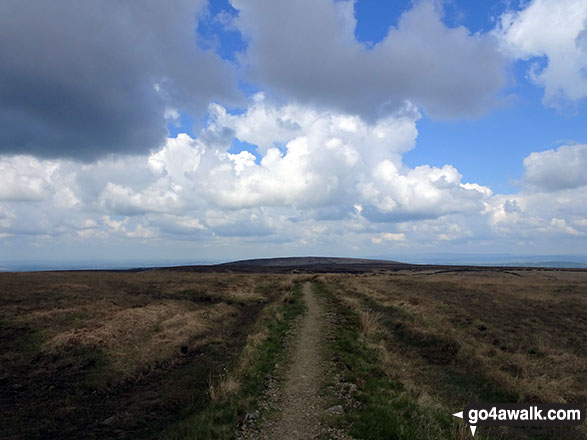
<point x="218" y="419"/>
<point x="21" y="339"/>
<point x="386" y="410"/>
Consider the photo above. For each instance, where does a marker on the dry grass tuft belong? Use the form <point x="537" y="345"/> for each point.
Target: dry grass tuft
<point x="223" y="390"/>
<point x="288" y="298"/>
<point x="369" y="322"/>
<point x="229" y="386"/>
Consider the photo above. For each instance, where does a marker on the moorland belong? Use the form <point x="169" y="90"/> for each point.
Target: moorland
<point x="194" y="351"/>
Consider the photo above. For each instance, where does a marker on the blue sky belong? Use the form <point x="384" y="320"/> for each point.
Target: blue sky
<point x="239" y="129"/>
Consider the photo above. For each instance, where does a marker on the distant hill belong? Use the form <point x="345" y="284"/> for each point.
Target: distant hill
<point x="308" y="261"/>
<point x="302" y="265"/>
<point x="336" y="265"/>
<point x="312" y="265"/>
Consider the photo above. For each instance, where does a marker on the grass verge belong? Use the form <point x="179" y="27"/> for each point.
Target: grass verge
<point x="234" y="392"/>
<point x="386" y="409"/>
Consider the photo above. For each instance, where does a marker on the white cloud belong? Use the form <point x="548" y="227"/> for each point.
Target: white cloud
<point x="557" y="30"/>
<point x="260" y="125"/>
<point x="565" y="167"/>
<point x="141" y="231"/>
<point x="242" y="160"/>
<point x="422" y="192"/>
<point x="189" y="223"/>
<point x="333" y="175"/>
<point x="388" y="236"/>
<point x="327" y="165"/>
<point x="179" y="158"/>
<point x="124" y="200"/>
<point x="561" y="225"/>
<point x="320" y="160"/>
<point x="552" y="204"/>
<point x="333" y="159"/>
<point x="26" y="178"/>
<point x="453" y="228"/>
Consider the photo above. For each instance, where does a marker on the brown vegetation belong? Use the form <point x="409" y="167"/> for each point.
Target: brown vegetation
<point x="506" y="336"/>
<point x="122" y="354"/>
<point x="114" y="354"/>
<point x="368" y="322"/>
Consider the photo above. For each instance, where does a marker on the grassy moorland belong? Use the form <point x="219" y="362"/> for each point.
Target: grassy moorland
<point x="114" y="354"/>
<point x="419" y="343"/>
<point x="185" y="354"/>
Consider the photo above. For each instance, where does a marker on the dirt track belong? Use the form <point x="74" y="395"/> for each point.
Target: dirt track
<point x="301" y="404"/>
<point x="293" y="406"/>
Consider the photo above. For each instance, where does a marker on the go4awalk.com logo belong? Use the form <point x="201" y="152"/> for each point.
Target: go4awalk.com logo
<point x="520" y="414"/>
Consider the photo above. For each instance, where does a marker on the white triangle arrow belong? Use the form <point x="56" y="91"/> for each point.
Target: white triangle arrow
<point x="459" y="415"/>
<point x="473" y="429"/>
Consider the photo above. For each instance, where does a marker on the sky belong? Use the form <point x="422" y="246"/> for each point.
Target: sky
<point x="137" y="133"/>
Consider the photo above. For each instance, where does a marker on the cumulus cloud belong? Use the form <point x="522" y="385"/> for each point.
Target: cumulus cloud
<point x="552" y="203"/>
<point x="419" y="193"/>
<point x="317" y="163"/>
<point x="178" y="160"/>
<point x="315" y="167"/>
<point x="556" y="30"/>
<point x="388" y="236"/>
<point x="540" y="217"/>
<point x="86" y="79"/>
<point x="320" y="176"/>
<point x="339" y="161"/>
<point x="314" y="57"/>
<point x="315" y="157"/>
<point x="565" y="167"/>
<point x="26" y="178"/>
<point x="126" y="201"/>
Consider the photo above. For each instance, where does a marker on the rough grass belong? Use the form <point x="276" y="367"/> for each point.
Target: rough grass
<point x="386" y="409"/>
<point x="506" y="338"/>
<point x="368" y="322"/>
<point x="139" y="337"/>
<point x="235" y="391"/>
<point x="172" y="354"/>
<point x="97" y="354"/>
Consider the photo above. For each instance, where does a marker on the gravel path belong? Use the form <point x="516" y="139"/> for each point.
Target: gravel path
<point x="292" y="407"/>
<point x="301" y="404"/>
